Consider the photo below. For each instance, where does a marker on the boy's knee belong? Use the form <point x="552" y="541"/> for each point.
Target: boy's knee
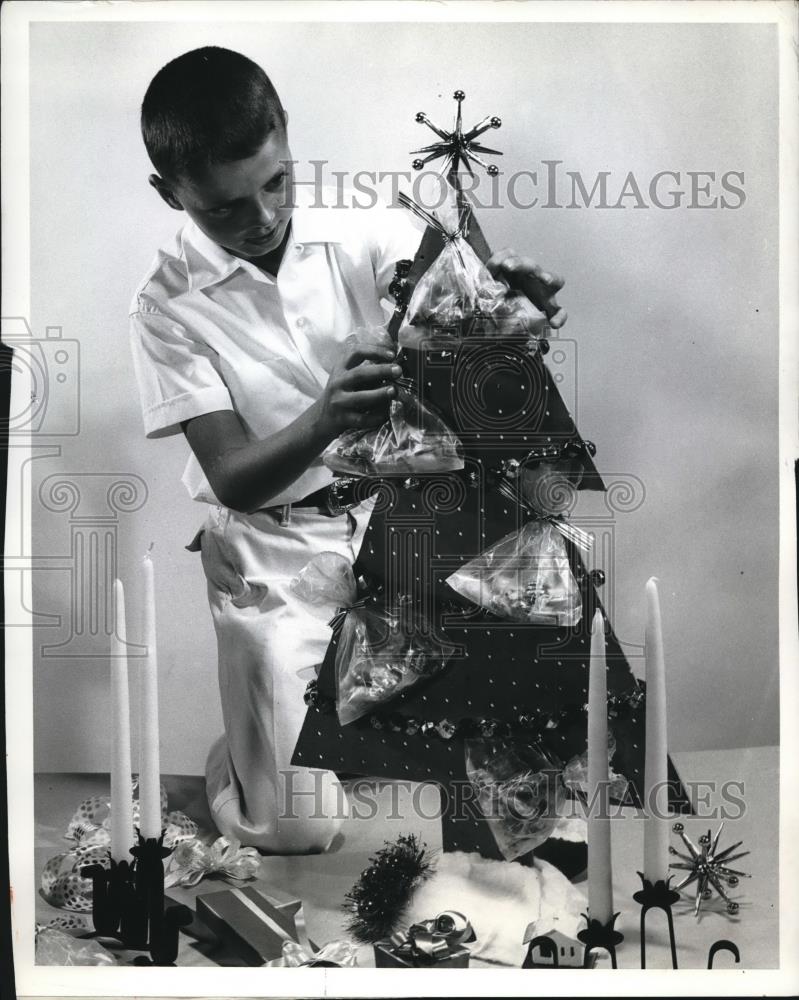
<point x="311" y="811"/>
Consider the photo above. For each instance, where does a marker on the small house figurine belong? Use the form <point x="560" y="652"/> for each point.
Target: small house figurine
<point x="551" y="951"/>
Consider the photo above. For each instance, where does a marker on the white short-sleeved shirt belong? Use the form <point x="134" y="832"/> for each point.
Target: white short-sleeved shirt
<point x="210" y="331"/>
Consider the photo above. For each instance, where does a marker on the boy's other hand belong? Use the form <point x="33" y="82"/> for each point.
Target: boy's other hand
<point x="358" y="392"/>
<point x="524" y="275"/>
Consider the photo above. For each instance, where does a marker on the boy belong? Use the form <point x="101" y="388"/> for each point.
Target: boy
<point x="241" y="339"/>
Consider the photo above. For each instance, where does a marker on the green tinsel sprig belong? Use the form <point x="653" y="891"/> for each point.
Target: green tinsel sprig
<point x="379" y="897"/>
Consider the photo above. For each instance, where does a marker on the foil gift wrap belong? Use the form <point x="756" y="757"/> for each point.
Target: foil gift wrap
<point x="378" y="657"/>
<point x="524" y="577"/>
<point x="438" y="943"/>
<point x="253" y="924"/>
<point x="519" y="790"/>
<point x="457" y="298"/>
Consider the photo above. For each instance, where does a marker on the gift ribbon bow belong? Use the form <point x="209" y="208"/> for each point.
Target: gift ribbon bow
<point x="431" y="220"/>
<point x="582" y="539"/>
<point x="338" y="953"/>
<point x="433" y="939"/>
<point x="338" y="618"/>
<point x="193" y="860"/>
<point x="62" y="883"/>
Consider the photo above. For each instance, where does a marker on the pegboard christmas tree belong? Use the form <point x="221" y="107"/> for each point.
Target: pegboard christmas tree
<point x="511" y="690"/>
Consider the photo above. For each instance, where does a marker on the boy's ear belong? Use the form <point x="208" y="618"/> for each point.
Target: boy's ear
<point x="165" y="191"/>
<point x="285" y="117"/>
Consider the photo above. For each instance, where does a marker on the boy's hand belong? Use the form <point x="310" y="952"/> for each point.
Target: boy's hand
<point x="524" y="275"/>
<point x="357" y="394"/>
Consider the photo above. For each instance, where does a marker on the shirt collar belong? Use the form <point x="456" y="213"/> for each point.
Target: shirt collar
<point x="313" y="220"/>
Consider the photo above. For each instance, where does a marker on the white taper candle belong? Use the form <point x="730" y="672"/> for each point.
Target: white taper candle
<point x="656" y="824"/>
<point x="600" y="873"/>
<point x="121" y="785"/>
<point x="149" y="763"/>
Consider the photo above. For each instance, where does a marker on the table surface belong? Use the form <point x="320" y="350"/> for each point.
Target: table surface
<point x="749" y="776"/>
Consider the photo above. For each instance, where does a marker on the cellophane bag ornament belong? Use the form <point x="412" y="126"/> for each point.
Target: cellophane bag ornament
<point x="457" y="297"/>
<point x="524" y="577"/>
<point x="378" y="656"/>
<point x="412" y="440"/>
<point x="519" y="790"/>
<point x="326" y="580"/>
<point x="575" y="775"/>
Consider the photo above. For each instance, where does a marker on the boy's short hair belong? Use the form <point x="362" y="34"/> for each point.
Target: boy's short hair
<point x="207" y="106"/>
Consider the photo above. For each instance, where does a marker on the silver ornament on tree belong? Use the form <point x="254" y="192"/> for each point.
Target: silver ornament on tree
<point x="458" y="146"/>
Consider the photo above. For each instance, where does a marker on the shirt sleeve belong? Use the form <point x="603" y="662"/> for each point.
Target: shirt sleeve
<point x="176" y="375"/>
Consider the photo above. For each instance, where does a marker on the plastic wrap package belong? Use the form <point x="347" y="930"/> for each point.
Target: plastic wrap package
<point x="57" y="947"/>
<point x="457" y="297"/>
<point x="575" y="775"/>
<point x="377" y="659"/>
<point x="519" y="790"/>
<point x="412" y="440"/>
<point x="525" y="577"/>
<point x="326" y="580"/>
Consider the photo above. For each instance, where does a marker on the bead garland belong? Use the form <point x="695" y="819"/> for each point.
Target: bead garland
<point x="530" y="725"/>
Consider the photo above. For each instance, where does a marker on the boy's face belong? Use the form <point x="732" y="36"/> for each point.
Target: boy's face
<point x="245" y="205"/>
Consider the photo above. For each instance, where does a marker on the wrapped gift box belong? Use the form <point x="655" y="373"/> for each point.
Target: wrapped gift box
<point x="386" y="957"/>
<point x="188" y="896"/>
<point x="252" y="923"/>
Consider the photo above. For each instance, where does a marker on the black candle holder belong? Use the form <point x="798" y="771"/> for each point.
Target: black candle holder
<point x="723" y="945"/>
<point x="128" y="903"/>
<point x="659" y="896"/>
<point x="597" y="935"/>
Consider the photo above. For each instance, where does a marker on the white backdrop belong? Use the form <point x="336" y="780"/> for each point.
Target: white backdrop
<point x="674" y="315"/>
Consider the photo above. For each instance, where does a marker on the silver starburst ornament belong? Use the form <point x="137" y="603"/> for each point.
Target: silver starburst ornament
<point x="708" y="867"/>
<point x="458" y="146"/>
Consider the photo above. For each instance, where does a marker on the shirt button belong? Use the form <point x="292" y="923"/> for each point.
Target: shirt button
<point x="302" y="321"/>
<point x="298" y="248"/>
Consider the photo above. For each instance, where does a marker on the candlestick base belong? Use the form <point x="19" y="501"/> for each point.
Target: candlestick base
<point x="723" y="945"/>
<point x="596" y="935"/>
<point x="128" y="903"/>
<point x="658" y="896"/>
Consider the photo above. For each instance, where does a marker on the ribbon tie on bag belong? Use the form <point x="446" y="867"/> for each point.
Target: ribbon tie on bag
<point x="434" y="939"/>
<point x="427" y="217"/>
<point x="193" y="861"/>
<point x="582" y="539"/>
<point x="337" y="620"/>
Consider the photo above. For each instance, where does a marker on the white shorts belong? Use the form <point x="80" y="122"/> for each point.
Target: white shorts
<point x="270" y="644"/>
